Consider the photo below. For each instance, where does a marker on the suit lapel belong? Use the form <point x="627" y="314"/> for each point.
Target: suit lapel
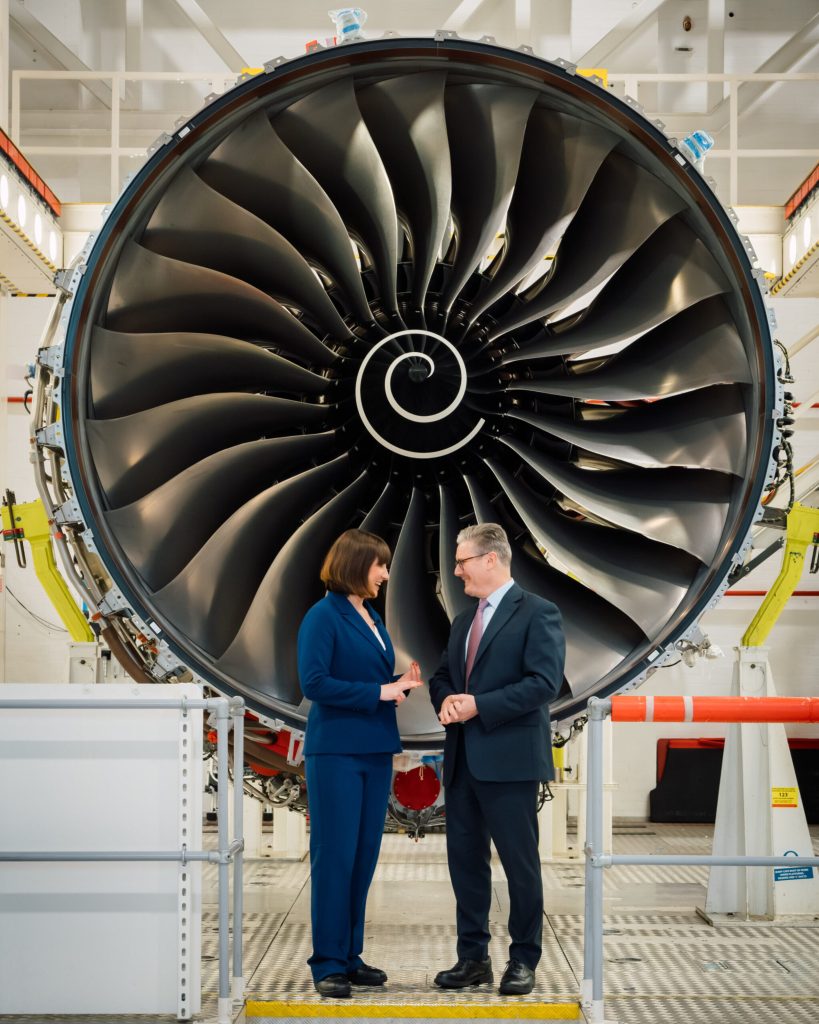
<point x="357" y="621"/>
<point x="460" y="628"/>
<point x="502" y="614"/>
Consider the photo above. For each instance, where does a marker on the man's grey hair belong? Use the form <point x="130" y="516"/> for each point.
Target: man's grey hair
<point x="488" y="537"/>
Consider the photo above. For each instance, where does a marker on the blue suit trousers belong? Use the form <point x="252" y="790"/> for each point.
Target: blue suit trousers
<point x="347" y="795"/>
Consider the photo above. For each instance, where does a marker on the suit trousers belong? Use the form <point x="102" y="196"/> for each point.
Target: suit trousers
<point x="506" y="813"/>
<point x="347" y="796"/>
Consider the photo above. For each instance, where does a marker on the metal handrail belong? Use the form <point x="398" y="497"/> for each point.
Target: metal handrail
<point x="591" y="995"/>
<point x="228" y="851"/>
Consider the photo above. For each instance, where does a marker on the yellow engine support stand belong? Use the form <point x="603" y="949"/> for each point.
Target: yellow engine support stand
<point x="31" y="523"/>
<point x="802" y="532"/>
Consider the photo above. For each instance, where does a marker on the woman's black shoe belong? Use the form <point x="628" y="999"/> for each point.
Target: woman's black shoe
<point x="366" y="975"/>
<point x="336" y="986"/>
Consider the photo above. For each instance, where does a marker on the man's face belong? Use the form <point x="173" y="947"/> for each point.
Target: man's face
<point x="476" y="570"/>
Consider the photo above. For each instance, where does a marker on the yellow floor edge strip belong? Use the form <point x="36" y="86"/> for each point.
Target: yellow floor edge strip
<point x="468" y="1011"/>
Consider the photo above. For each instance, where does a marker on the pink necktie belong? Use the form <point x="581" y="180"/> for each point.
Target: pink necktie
<point x="475" y="634"/>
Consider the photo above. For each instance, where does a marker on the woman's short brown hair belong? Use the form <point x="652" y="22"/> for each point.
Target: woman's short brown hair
<point x="350" y="559"/>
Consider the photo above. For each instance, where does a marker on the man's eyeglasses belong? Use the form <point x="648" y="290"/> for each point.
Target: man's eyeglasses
<point x="459" y="562"/>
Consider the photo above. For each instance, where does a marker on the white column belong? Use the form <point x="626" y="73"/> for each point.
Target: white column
<point x="289" y="835"/>
<point x="4" y="65"/>
<point x="759" y="813"/>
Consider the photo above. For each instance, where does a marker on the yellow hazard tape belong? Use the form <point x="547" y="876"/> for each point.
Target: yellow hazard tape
<point x="470" y="1011"/>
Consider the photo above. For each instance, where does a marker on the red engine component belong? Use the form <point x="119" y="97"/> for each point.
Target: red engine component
<point x="418" y="788"/>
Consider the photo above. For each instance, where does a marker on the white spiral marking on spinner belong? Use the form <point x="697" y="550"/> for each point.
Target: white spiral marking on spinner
<point x="405" y="413"/>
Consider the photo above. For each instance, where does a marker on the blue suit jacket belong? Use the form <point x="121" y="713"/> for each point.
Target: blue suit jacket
<point x="518" y="669"/>
<point x="341" y="668"/>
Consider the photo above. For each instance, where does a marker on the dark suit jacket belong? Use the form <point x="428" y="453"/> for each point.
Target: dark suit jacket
<point x="518" y="669"/>
<point x="341" y="669"/>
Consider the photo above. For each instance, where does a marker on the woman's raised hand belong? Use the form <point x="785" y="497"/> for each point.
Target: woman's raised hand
<point x="408" y="681"/>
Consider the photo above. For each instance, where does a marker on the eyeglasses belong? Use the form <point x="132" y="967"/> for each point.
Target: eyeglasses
<point x="459" y="562"/>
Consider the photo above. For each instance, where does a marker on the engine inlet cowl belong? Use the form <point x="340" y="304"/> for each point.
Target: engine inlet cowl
<point x="408" y="285"/>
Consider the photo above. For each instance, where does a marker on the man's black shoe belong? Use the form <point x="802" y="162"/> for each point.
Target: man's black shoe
<point x="517" y="980"/>
<point x="366" y="975"/>
<point x="336" y="986"/>
<point x="465" y="973"/>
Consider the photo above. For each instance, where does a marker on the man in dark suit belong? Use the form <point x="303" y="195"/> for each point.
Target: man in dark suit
<point x="502" y="666"/>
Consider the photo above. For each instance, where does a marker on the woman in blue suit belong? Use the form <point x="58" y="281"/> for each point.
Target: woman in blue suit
<point x="346" y="664"/>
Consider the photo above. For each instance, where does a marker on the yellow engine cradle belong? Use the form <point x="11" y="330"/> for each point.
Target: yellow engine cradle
<point x="31" y="522"/>
<point x="802" y="532"/>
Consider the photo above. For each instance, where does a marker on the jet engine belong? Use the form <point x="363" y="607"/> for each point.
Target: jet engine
<point x="407" y="285"/>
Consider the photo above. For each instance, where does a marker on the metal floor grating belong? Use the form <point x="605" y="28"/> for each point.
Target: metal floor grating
<point x="664" y="964"/>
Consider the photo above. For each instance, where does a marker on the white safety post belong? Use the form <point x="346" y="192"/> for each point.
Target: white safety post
<point x="759" y="813"/>
<point x="289" y="834"/>
<point x="253" y="814"/>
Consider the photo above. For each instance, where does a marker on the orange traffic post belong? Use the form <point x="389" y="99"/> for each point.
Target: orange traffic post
<point x="714" y="709"/>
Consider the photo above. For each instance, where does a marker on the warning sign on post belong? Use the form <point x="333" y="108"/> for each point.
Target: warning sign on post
<point x="797" y="872"/>
<point x="784" y="796"/>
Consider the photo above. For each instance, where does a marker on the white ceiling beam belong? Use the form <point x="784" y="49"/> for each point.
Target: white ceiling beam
<point x="800" y="46"/>
<point x="461" y="15"/>
<point x="523" y="20"/>
<point x="55" y="49"/>
<point x="750" y="95"/>
<point x="215" y="38"/>
<point x="715" y="49"/>
<point x="134" y="29"/>
<point x="602" y="51"/>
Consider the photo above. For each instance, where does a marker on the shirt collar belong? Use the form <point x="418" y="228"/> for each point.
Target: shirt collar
<point x="496" y="596"/>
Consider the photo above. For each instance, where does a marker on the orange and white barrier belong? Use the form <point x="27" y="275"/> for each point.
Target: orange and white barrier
<point x="714" y="709"/>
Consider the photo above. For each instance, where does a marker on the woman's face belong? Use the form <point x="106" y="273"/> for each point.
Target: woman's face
<point x="378" y="575"/>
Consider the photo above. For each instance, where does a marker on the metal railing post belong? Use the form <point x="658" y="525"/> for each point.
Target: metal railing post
<point x="238" y="708"/>
<point x="222" y="724"/>
<point x="592" y="993"/>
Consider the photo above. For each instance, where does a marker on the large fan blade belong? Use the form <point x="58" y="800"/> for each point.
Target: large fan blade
<point x="670" y="273"/>
<point x="622" y="208"/>
<point x="486" y="125"/>
<point x="696" y="349"/>
<point x="452" y="589"/>
<point x="263" y="653"/>
<point x="162" y="531"/>
<point x="154" y="293"/>
<point x="282" y="192"/>
<point x="702" y="430"/>
<point x="211" y="596"/>
<point x="645" y="579"/>
<point x="406" y="119"/>
<point x="377" y="519"/>
<point x="198" y="225"/>
<point x="481" y="506"/>
<point x="133" y="372"/>
<point x="561" y="155"/>
<point x="681" y="507"/>
<point x="416" y="622"/>
<point x="135" y="454"/>
<point x="598" y="635"/>
<point x="326" y="132"/>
